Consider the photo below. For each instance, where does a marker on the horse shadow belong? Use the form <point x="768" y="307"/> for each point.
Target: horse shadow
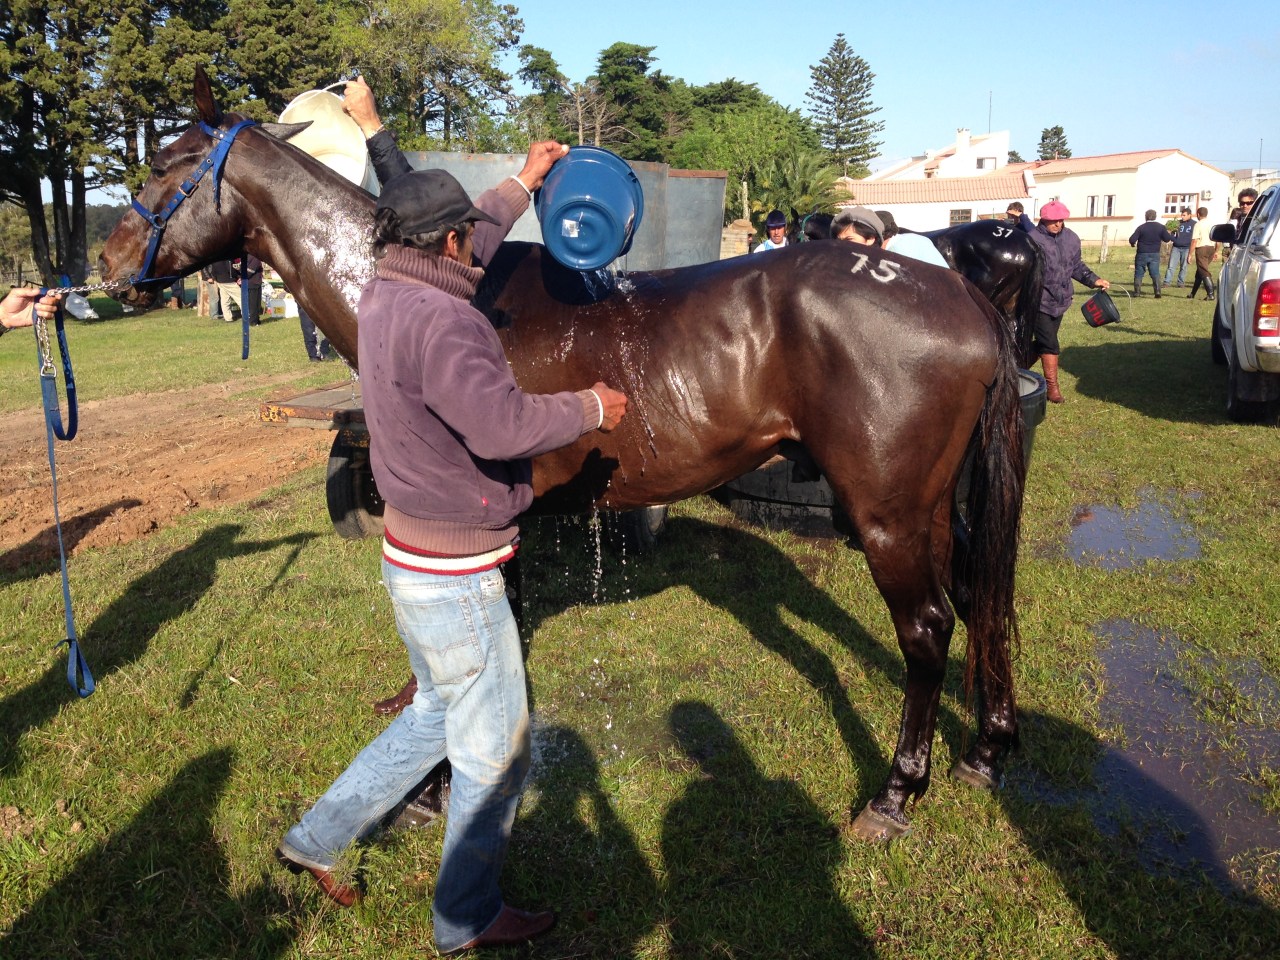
<point x="157" y="887"/>
<point x="1171" y="378"/>
<point x="120" y="635"/>
<point x="40" y="555"/>
<point x="591" y="860"/>
<point x="760" y="588"/>
<point x="1127" y="899"/>
<point x="729" y="824"/>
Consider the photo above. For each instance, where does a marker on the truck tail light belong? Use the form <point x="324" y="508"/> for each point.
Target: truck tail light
<point x="1266" y="313"/>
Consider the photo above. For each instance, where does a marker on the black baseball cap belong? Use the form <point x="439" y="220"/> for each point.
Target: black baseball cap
<point x="426" y="200"/>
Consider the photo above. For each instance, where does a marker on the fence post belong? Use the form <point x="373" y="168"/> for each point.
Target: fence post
<point x="1102" y="255"/>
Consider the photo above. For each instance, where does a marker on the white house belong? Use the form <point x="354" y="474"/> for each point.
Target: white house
<point x="1117" y="189"/>
<point x="969" y="156"/>
<point x="1111" y="192"/>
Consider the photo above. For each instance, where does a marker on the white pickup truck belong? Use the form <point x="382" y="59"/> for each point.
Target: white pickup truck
<point x="1246" y="318"/>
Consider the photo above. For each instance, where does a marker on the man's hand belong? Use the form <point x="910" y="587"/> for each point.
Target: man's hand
<point x="358" y="104"/>
<point x="15" y="309"/>
<point x="542" y="156"/>
<point x="1103" y="284"/>
<point x="614" y="404"/>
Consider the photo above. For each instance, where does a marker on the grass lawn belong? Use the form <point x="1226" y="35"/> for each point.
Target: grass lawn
<point x="706" y="715"/>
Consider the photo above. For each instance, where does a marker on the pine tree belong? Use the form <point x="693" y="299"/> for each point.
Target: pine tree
<point x="1053" y="144"/>
<point x="840" y="99"/>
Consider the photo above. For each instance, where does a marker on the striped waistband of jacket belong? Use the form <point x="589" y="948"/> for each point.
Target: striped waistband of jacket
<point x="422" y="561"/>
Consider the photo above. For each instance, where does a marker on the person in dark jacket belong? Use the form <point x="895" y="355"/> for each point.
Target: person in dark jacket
<point x="451" y="437"/>
<point x="1062" y="264"/>
<point x="1018" y="217"/>
<point x="1148" y="238"/>
<point x="1180" y="251"/>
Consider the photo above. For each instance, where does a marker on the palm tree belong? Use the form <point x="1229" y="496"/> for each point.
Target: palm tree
<point x="796" y="182"/>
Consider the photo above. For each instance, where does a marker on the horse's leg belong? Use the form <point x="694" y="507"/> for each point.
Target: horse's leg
<point x="904" y="565"/>
<point x="992" y="692"/>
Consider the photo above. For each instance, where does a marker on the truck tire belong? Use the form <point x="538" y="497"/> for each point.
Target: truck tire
<point x="1216" y="350"/>
<point x="350" y="492"/>
<point x="1244" y="411"/>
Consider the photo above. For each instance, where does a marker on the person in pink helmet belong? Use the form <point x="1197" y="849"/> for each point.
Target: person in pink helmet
<point x="1062" y="264"/>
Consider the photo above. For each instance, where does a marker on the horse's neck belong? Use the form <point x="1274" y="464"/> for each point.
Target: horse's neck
<point x="312" y="226"/>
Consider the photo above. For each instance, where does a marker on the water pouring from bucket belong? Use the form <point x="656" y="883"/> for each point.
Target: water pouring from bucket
<point x="590" y="207"/>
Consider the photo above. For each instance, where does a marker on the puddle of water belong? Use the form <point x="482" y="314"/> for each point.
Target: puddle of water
<point x="1172" y="777"/>
<point x="1119" y="539"/>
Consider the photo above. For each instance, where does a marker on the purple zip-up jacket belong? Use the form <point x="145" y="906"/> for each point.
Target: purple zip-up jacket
<point x="451" y="433"/>
<point x="1062" y="264"/>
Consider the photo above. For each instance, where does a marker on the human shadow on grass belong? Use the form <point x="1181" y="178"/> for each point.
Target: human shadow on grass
<point x="742" y="573"/>
<point x="120" y="635"/>
<point x="39" y="555"/>
<point x="1113" y="862"/>
<point x="157" y="887"/>
<point x="750" y="861"/>
<point x="573" y="853"/>
<point x="1170" y="379"/>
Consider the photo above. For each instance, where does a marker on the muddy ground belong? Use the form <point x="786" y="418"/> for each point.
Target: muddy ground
<point x="138" y="462"/>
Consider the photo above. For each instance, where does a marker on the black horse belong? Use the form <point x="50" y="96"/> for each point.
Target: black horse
<point x="890" y="374"/>
<point x="1005" y="264"/>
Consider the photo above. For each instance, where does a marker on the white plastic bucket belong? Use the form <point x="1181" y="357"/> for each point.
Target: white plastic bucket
<point x="333" y="137"/>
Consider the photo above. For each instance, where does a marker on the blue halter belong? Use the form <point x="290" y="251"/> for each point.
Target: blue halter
<point x="214" y="161"/>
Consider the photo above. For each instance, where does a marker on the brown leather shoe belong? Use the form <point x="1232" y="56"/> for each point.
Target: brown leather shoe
<point x="513" y="927"/>
<point x="393" y="705"/>
<point x="339" y="893"/>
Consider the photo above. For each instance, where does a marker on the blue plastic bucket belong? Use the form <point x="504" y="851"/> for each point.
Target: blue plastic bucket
<point x="590" y="207"/>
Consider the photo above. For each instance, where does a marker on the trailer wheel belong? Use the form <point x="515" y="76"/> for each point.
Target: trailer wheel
<point x="354" y="504"/>
<point x="638" y="531"/>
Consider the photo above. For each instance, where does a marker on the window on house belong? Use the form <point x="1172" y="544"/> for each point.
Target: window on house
<point x="1109" y="205"/>
<point x="986" y="163"/>
<point x="1091" y="206"/>
<point x="1173" y="202"/>
<point x="961" y="216"/>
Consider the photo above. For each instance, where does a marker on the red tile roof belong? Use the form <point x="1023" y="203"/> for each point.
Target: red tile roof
<point x="992" y="186"/>
<point x="1108" y="161"/>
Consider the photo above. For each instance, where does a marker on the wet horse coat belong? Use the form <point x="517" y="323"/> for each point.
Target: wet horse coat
<point x="888" y="372"/>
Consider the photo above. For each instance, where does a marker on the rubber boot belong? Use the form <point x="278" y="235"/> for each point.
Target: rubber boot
<point x="1156" y="284"/>
<point x="1049" y="361"/>
<point x="1208" y="286"/>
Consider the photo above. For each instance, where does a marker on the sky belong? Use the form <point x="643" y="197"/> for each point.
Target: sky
<point x="1200" y="77"/>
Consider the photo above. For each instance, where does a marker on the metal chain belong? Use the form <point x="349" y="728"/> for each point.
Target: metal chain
<point x="47" y="369"/>
<point x="91" y="287"/>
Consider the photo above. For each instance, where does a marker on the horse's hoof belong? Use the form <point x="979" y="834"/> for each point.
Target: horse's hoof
<point x="972" y="776"/>
<point x="870" y="825"/>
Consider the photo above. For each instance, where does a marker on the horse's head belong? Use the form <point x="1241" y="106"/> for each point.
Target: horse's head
<point x="186" y="215"/>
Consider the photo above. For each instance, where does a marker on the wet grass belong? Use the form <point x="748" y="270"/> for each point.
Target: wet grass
<point x="706" y="717"/>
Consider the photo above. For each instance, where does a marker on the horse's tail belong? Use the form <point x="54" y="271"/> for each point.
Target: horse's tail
<point x="988" y="554"/>
<point x="1029" y="305"/>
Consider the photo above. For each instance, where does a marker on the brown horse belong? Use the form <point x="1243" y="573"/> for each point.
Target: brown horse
<point x="889" y="374"/>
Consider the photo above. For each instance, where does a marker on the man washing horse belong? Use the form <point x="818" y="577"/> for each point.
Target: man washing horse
<point x="451" y="437"/>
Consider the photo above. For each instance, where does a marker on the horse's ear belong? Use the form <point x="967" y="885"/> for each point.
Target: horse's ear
<point x="206" y="106"/>
<point x="283" y="131"/>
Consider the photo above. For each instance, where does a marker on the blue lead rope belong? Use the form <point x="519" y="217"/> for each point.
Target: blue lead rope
<point x="79" y="676"/>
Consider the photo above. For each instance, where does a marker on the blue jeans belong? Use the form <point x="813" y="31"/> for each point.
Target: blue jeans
<point x="1177" y="258"/>
<point x="1149" y="262"/>
<point x="471" y="706"/>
